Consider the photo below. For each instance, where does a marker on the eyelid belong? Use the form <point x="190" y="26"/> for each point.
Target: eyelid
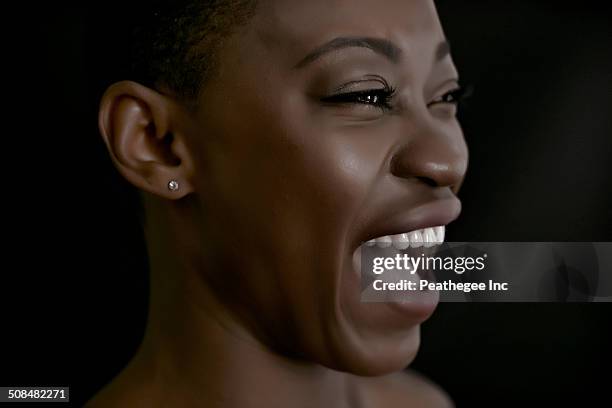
<point x="459" y="92"/>
<point x="380" y="101"/>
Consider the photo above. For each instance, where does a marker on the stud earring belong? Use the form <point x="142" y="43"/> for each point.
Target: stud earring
<point x="173" y="185"/>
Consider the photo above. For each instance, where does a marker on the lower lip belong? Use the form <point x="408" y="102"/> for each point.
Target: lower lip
<point x="420" y="307"/>
<point x="415" y="305"/>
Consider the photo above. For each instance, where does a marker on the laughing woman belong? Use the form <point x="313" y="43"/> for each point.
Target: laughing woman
<point x="270" y="139"/>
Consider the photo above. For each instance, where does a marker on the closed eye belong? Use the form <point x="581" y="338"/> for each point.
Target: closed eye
<point x="380" y="98"/>
<point x="453" y="97"/>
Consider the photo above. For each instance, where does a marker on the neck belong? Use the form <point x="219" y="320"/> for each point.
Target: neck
<point x="195" y="352"/>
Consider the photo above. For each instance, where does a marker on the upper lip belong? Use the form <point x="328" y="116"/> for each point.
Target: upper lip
<point x="441" y="211"/>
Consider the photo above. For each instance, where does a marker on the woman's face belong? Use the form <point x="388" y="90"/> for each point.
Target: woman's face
<point x="325" y="127"/>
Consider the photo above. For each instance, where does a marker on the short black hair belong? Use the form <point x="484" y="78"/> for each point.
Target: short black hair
<point x="174" y="45"/>
<point x="162" y="44"/>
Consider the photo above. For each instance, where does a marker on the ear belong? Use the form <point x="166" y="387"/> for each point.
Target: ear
<point x="140" y="129"/>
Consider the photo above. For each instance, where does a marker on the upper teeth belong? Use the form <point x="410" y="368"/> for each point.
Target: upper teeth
<point x="426" y="237"/>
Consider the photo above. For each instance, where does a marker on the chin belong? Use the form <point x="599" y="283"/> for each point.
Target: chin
<point x="377" y="357"/>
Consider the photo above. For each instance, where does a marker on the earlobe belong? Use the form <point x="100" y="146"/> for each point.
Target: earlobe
<point x="144" y="143"/>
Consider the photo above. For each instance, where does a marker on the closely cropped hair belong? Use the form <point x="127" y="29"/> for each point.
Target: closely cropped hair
<point x="175" y="44"/>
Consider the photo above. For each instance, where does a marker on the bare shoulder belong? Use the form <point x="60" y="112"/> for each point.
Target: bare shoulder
<point x="405" y="389"/>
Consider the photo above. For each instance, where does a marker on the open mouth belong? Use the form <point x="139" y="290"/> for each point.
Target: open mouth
<point x="391" y="257"/>
<point x="423" y="226"/>
<point x="417" y="243"/>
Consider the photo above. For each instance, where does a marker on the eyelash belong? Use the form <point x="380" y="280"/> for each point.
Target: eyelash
<point x="381" y="98"/>
<point x="455" y="96"/>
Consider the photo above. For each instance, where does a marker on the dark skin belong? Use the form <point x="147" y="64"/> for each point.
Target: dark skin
<point x="254" y="296"/>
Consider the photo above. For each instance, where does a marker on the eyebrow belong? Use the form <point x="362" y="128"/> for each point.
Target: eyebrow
<point x="379" y="45"/>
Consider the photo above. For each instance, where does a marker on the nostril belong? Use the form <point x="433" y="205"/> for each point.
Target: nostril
<point x="429" y="181"/>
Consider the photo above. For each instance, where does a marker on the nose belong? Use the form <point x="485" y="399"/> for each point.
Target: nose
<point x="437" y="157"/>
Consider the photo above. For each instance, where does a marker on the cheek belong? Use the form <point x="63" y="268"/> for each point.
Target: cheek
<point x="298" y="160"/>
<point x="279" y="191"/>
<point x="342" y="167"/>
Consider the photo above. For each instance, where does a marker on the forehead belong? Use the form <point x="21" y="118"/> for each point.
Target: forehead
<point x="295" y="26"/>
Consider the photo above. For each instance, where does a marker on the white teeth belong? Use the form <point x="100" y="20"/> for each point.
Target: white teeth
<point x="416" y="239"/>
<point x="440" y="233"/>
<point x="426" y="237"/>
<point x="401" y="241"/>
<point x="429" y="238"/>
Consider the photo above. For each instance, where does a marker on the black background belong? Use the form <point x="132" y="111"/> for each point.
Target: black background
<point x="74" y="276"/>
